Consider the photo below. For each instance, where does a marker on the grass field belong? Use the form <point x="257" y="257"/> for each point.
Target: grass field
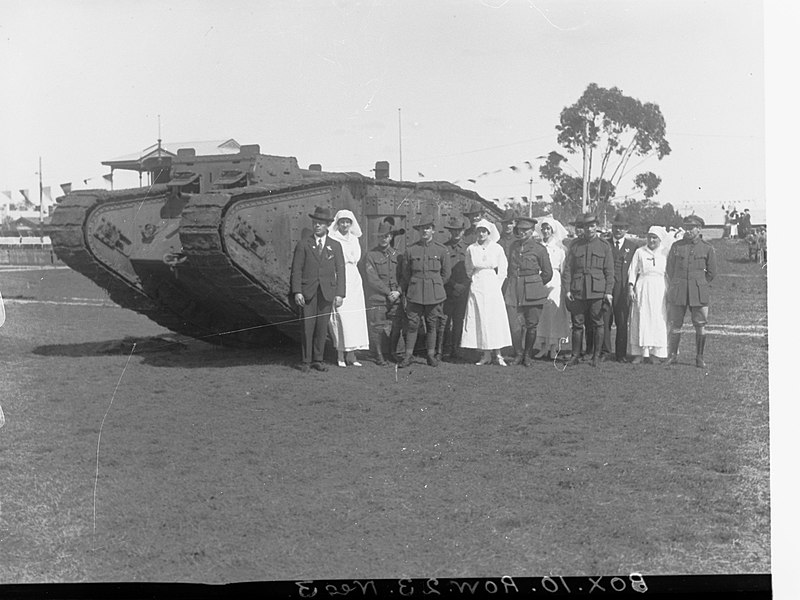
<point x="222" y="465"/>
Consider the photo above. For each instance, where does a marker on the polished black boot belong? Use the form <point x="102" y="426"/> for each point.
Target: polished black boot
<point x="700" y="340"/>
<point x="430" y="347"/>
<point x="530" y="340"/>
<point x="411" y="341"/>
<point x="673" y="342"/>
<point x="522" y="357"/>
<point x="599" y="334"/>
<point x="441" y="333"/>
<point x="577" y="345"/>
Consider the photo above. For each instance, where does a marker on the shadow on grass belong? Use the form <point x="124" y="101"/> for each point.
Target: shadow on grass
<point x="168" y="351"/>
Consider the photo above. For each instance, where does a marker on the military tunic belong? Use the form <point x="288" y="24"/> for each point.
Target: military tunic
<point x="426" y="269"/>
<point x="529" y="270"/>
<point x="385" y="317"/>
<point x="588" y="269"/>
<point x="589" y="275"/>
<point x="691" y="265"/>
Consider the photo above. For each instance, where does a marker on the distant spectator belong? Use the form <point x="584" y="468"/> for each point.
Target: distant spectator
<point x="734" y="217"/>
<point x="744" y="224"/>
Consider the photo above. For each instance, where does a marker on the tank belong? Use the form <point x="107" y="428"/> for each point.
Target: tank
<point x="208" y="253"/>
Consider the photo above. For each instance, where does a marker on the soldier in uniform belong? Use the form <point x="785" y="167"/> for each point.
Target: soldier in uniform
<point x="622" y="250"/>
<point x="448" y="338"/>
<point x="426" y="269"/>
<point x="691" y="266"/>
<point x="588" y="278"/>
<point x="529" y="270"/>
<point x="475" y="213"/>
<point x="507" y="237"/>
<point x="385" y="312"/>
<point x="506" y="228"/>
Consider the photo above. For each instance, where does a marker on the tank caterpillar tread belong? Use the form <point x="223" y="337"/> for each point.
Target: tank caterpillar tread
<point x="207" y="253"/>
<point x="86" y="237"/>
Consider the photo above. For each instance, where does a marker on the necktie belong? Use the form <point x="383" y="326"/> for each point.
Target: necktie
<point x="619" y="244"/>
<point x="319" y="245"/>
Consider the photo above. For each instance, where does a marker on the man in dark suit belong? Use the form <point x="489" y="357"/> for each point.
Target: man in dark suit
<point x="622" y="250"/>
<point x="317" y="283"/>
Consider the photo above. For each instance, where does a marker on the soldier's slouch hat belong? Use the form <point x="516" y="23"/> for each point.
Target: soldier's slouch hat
<point x="584" y="219"/>
<point x="424" y="221"/>
<point x="475" y="208"/>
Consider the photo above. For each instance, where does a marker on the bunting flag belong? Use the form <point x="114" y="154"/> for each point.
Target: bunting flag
<point x="471" y="180"/>
<point x="87" y="180"/>
<point x="25" y="195"/>
<point x="110" y="176"/>
<point x="8" y="193"/>
<point x="530" y="166"/>
<point x="513" y="168"/>
<point x="46" y="194"/>
<point x="66" y="187"/>
<point x="420" y="174"/>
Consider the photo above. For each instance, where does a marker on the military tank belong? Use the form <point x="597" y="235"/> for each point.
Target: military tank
<point x="208" y="253"/>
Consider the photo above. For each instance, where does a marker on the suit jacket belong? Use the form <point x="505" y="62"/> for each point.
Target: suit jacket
<point x="622" y="262"/>
<point x="310" y="270"/>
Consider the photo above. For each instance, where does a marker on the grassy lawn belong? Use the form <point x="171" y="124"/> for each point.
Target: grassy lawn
<point x="228" y="465"/>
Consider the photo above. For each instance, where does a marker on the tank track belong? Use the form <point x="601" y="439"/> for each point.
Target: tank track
<point x="68" y="235"/>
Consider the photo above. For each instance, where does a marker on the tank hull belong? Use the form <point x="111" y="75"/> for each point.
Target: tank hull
<point x="216" y="265"/>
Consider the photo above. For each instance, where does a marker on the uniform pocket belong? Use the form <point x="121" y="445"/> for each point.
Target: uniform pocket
<point x="598" y="260"/>
<point x="598" y="284"/>
<point x="702" y="292"/>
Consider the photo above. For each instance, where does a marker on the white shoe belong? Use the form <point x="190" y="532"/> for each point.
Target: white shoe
<point x="355" y="363"/>
<point x="341" y="363"/>
<point x="501" y="362"/>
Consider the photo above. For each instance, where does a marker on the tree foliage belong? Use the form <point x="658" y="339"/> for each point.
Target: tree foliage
<point x="613" y="128"/>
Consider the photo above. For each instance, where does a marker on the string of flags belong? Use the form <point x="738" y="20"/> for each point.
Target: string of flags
<point x="514" y="168"/>
<point x="21" y="198"/>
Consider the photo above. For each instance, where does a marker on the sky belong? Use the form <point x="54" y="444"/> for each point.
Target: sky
<point x="453" y="88"/>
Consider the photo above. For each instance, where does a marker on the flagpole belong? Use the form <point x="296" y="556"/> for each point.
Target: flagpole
<point x="41" y="205"/>
<point x="400" y="136"/>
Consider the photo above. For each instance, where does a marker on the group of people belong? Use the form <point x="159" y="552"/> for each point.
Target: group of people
<point x="519" y="290"/>
<point x="737" y="225"/>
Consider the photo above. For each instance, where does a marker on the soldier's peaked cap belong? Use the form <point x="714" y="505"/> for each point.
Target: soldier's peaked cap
<point x="454" y="223"/>
<point x="692" y="220"/>
<point x="525" y="222"/>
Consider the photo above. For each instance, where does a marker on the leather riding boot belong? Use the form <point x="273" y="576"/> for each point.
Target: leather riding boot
<point x="700" y="340"/>
<point x="530" y="340"/>
<point x="411" y="341"/>
<point x="375" y="340"/>
<point x="521" y="354"/>
<point x="440" y="335"/>
<point x="674" y="339"/>
<point x="394" y="339"/>
<point x="430" y="346"/>
<point x="599" y="334"/>
<point x="577" y="344"/>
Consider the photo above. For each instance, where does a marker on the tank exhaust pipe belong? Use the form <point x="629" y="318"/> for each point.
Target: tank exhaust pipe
<point x="382" y="169"/>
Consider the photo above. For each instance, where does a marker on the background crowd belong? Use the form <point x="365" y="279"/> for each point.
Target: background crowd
<point x="505" y="292"/>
